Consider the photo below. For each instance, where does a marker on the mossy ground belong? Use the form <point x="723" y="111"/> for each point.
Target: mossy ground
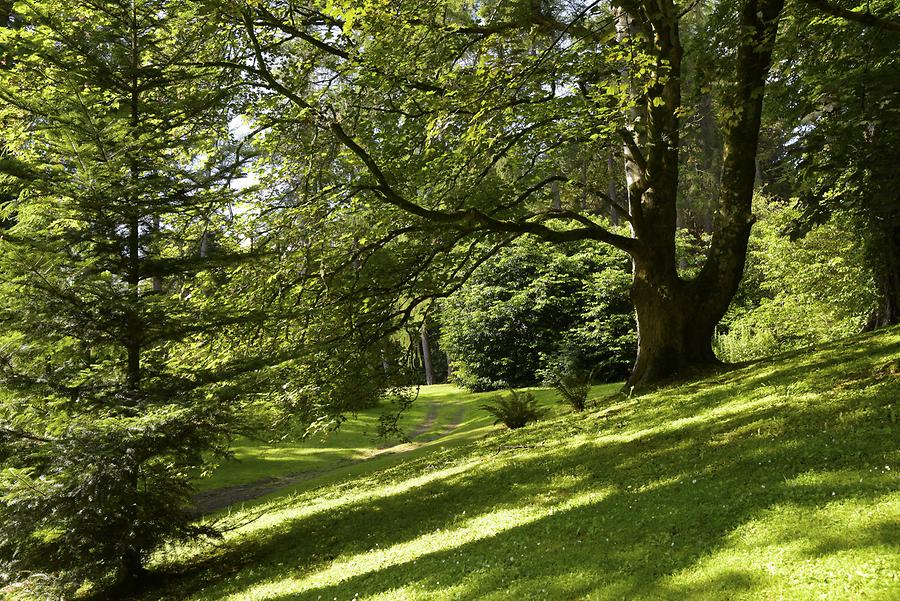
<point x="774" y="481"/>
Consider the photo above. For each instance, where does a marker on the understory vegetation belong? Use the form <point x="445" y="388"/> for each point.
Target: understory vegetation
<point x="798" y="293"/>
<point x="778" y="480"/>
<point x="535" y="304"/>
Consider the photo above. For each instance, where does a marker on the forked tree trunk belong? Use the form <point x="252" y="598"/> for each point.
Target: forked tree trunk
<point x="677" y="318"/>
<point x="673" y="335"/>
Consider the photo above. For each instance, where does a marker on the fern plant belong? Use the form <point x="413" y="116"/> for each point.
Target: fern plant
<point x="515" y="410"/>
<point x="573" y="388"/>
<point x="568" y="373"/>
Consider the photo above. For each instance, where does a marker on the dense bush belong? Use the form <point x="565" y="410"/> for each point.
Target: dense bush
<point x="532" y="300"/>
<point x="796" y="293"/>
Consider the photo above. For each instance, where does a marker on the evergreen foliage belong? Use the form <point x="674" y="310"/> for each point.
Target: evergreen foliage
<point x="115" y="285"/>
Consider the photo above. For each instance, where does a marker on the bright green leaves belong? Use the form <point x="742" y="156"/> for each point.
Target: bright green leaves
<point x="458" y="107"/>
<point x="798" y="293"/>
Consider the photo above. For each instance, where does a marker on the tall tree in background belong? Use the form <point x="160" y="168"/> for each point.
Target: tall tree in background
<point x="467" y="116"/>
<point x="838" y="152"/>
<point x="112" y="394"/>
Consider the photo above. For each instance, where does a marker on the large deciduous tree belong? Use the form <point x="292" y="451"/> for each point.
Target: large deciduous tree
<point x="495" y="119"/>
<point x="483" y="118"/>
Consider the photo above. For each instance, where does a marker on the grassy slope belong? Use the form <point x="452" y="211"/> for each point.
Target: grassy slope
<point x="775" y="481"/>
<point x="453" y="417"/>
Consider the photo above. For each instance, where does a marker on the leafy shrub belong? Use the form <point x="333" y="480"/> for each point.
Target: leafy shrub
<point x="515" y="410"/>
<point x="529" y="299"/>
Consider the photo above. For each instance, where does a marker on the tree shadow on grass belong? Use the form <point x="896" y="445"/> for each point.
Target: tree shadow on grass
<point x="659" y="504"/>
<point x="592" y="550"/>
<point x="808" y="370"/>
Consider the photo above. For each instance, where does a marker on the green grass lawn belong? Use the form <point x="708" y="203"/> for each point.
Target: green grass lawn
<point x="775" y="481"/>
<point x="441" y="415"/>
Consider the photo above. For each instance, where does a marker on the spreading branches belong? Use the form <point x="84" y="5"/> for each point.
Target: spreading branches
<point x="865" y="18"/>
<point x="475" y="217"/>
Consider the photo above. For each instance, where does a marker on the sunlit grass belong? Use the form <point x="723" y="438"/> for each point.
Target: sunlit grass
<point x="456" y="416"/>
<point x="775" y="481"/>
<point x="342" y="569"/>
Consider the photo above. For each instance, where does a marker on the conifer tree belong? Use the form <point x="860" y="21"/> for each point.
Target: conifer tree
<point x="114" y="277"/>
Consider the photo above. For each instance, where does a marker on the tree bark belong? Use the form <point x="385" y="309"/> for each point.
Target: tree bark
<point x="888" y="277"/>
<point x="675" y="330"/>
<point x="134" y="326"/>
<point x="677" y="318"/>
<point x="426" y="356"/>
<point x="612" y="191"/>
<point x="132" y="559"/>
<point x="554" y="193"/>
<point x="157" y="280"/>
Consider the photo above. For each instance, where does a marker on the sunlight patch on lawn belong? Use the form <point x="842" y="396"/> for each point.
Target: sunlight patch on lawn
<point x="839" y="550"/>
<point x="778" y="481"/>
<point x="475" y="529"/>
<point x="279" y="513"/>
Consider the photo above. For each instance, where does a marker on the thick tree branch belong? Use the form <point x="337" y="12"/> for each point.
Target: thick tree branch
<point x="637" y="155"/>
<point x="405" y="314"/>
<point x="470" y="218"/>
<point x="537" y="17"/>
<point x="514" y="139"/>
<point x="475" y="217"/>
<point x="541" y="184"/>
<point x="623" y="212"/>
<point x="866" y="18"/>
<point x="267" y="18"/>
